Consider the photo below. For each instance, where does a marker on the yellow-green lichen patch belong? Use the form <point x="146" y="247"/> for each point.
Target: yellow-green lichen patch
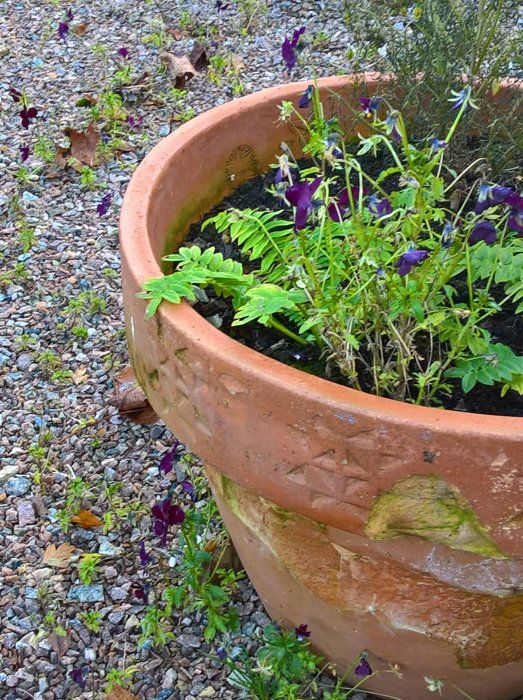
<point x="427" y="506"/>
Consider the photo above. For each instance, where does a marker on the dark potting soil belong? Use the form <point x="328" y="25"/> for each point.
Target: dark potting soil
<point x="506" y="327"/>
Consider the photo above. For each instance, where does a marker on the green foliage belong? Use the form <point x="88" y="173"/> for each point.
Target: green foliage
<point x="154" y="627"/>
<point x="87" y="567"/>
<point x="117" y="677"/>
<point x="92" y="620"/>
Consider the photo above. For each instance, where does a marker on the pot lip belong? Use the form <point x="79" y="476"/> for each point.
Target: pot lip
<point x="142" y="264"/>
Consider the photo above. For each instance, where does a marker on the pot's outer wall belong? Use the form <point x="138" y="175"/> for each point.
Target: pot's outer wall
<point x="304" y="444"/>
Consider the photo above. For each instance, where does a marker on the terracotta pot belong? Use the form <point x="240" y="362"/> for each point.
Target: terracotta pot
<point x="381" y="525"/>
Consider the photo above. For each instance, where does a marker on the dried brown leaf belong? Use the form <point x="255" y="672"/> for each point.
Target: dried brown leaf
<point x="61" y="155"/>
<point x="58" y="556"/>
<point x="177" y="34"/>
<point x="80" y="29"/>
<point x="86" y="519"/>
<point x="84" y="144"/>
<point x="198" y="57"/>
<point x="79" y="376"/>
<point x="119" y="693"/>
<point x="180" y="68"/>
<point x="129" y="398"/>
<point x="60" y="643"/>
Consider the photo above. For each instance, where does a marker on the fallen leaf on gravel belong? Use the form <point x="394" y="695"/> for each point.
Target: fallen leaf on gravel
<point x="177" y="34"/>
<point x="59" y="643"/>
<point x="58" y="556"/>
<point x="119" y="693"/>
<point x="80" y="375"/>
<point x="129" y="398"/>
<point x="84" y="144"/>
<point x="86" y="519"/>
<point x="198" y="57"/>
<point x="80" y="29"/>
<point x="60" y="157"/>
<point x="180" y="68"/>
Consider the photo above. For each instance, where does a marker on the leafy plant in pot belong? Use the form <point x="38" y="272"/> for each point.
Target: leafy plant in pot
<point x="383" y="524"/>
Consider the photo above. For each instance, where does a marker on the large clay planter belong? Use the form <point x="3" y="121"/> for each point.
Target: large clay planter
<point x="381" y="525"/>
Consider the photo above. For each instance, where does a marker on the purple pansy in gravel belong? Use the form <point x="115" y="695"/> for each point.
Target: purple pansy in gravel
<point x="221" y="654"/>
<point x="135" y="123"/>
<point x="78" y="676"/>
<point x="63" y="30"/>
<point x="410" y="259"/>
<point x="370" y="105"/>
<point x="490" y="196"/>
<point x="123" y="52"/>
<point x="305" y="99"/>
<point x="103" y="207"/>
<point x="188" y="487"/>
<point x="483" y="231"/>
<point x="300" y="196"/>
<point x="25" y="150"/>
<point x="165" y="514"/>
<point x="302" y="632"/>
<point x="26" y="114"/>
<point x="290" y="48"/>
<point x="15" y="94"/>
<point x="363" y="668"/>
<point x="438" y="145"/>
<point x="167" y="461"/>
<point x="145" y="557"/>
<point x="222" y="6"/>
<point x="379" y="207"/>
<point x="141" y="593"/>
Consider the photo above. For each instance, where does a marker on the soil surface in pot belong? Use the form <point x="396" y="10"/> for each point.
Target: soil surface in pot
<point x="505" y="327"/>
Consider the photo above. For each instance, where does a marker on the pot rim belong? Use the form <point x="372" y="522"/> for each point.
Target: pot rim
<point x="135" y="247"/>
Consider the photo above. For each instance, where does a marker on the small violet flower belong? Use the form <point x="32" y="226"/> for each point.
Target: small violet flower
<point x="483" y="231"/>
<point x="447" y="235"/>
<point x="188" y="487"/>
<point x="515" y="218"/>
<point x="141" y="593"/>
<point x="300" y="196"/>
<point x="337" y="209"/>
<point x="167" y="461"/>
<point x="438" y="145"/>
<point x="63" y="29"/>
<point x="363" y="668"/>
<point x="78" y="676"/>
<point x="145" y="557"/>
<point x="305" y="99"/>
<point x="103" y="207"/>
<point x="69" y="15"/>
<point x="123" y="52"/>
<point x="463" y="97"/>
<point x="221" y="654"/>
<point x="410" y="259"/>
<point x="25" y="150"/>
<point x="370" y="105"/>
<point x="379" y="207"/>
<point x="165" y="514"/>
<point x="490" y="196"/>
<point x="135" y="122"/>
<point x="15" y="94"/>
<point x="222" y="6"/>
<point x="290" y="47"/>
<point x="26" y="114"/>
<point x="391" y="125"/>
<point x="302" y="632"/>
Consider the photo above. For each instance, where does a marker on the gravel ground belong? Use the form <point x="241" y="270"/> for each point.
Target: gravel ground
<point x="62" y="340"/>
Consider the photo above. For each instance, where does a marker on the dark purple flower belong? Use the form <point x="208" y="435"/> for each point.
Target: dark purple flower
<point x="483" y="231"/>
<point x="103" y="207"/>
<point x="135" y="122"/>
<point x="305" y="99"/>
<point x="123" y="52"/>
<point x="437" y="144"/>
<point x="515" y="218"/>
<point x="447" y="235"/>
<point x="145" y="557"/>
<point x="188" y="487"/>
<point x="69" y="15"/>
<point x="141" y="593"/>
<point x="221" y="654"/>
<point x="25" y="150"/>
<point x="338" y="209"/>
<point x="302" y="631"/>
<point x="165" y="514"/>
<point x="300" y="196"/>
<point x="290" y="47"/>
<point x="460" y="97"/>
<point x="363" y="668"/>
<point x="370" y="105"/>
<point x="222" y="6"/>
<point x="63" y="29"/>
<point x="167" y="461"/>
<point x="379" y="207"/>
<point x="410" y="259"/>
<point x="78" y="676"/>
<point x="490" y="196"/>
<point x="15" y="94"/>
<point x="391" y="125"/>
<point x="26" y="114"/>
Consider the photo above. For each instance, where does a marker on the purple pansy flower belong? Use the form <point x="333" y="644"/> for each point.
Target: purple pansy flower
<point x="145" y="557"/>
<point x="370" y="105"/>
<point x="25" y="150"/>
<point x="78" y="676"/>
<point x="26" y="114"/>
<point x="300" y="196"/>
<point x="165" y="514"/>
<point x="491" y="195"/>
<point x="222" y="6"/>
<point x="410" y="259"/>
<point x="305" y="99"/>
<point x="438" y="145"/>
<point x="141" y="593"/>
<point x="379" y="207"/>
<point x="63" y="29"/>
<point x="167" y="461"/>
<point x="515" y="218"/>
<point x="338" y="208"/>
<point x="483" y="231"/>
<point x="123" y="52"/>
<point x="391" y="125"/>
<point x="363" y="668"/>
<point x="135" y="122"/>
<point x="188" y="487"/>
<point x="15" y="94"/>
<point x="69" y="15"/>
<point x="103" y="207"/>
<point x="302" y="631"/>
<point x="221" y="654"/>
<point x="290" y="47"/>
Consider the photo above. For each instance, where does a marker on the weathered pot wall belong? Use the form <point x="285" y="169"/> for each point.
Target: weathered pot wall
<point x="447" y="487"/>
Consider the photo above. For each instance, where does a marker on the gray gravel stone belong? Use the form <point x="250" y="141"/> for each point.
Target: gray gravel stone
<point x="17" y="486"/>
<point x="86" y="594"/>
<point x="26" y="513"/>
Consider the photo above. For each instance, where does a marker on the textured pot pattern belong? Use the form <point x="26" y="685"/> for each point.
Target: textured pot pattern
<point x="380" y="524"/>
